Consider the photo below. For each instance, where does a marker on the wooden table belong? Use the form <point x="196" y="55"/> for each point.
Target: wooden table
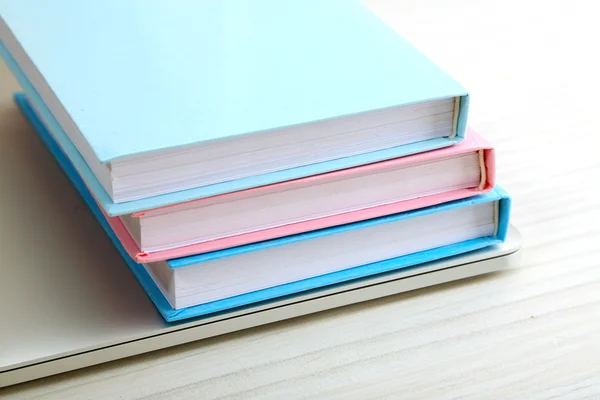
<point x="533" y="70"/>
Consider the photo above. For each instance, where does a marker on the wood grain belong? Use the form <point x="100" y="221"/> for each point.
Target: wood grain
<point x="533" y="333"/>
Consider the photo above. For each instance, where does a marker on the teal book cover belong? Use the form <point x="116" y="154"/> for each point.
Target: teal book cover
<point x="136" y="77"/>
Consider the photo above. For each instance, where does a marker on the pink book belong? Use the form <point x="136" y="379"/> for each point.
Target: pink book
<point x="307" y="204"/>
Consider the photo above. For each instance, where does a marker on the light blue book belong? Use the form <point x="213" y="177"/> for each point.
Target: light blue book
<point x="160" y="102"/>
<point x="223" y="280"/>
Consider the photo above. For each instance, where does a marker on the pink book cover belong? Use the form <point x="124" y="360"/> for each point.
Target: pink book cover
<point x="473" y="142"/>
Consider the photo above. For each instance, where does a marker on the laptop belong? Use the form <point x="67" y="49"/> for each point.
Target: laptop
<point x="64" y="310"/>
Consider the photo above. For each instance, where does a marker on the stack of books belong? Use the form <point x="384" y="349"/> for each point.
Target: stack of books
<point x="240" y="151"/>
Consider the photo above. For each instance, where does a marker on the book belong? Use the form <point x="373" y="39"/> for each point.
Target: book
<point x="222" y="280"/>
<point x="311" y="203"/>
<point x="302" y="205"/>
<point x="290" y="264"/>
<point x="177" y="103"/>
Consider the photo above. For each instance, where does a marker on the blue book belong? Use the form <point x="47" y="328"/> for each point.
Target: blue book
<point x="218" y="281"/>
<point x="159" y="102"/>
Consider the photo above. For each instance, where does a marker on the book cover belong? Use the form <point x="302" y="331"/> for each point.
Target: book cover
<point x="170" y="75"/>
<point x="207" y="72"/>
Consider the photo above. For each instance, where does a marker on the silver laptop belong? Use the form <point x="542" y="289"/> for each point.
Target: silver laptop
<point x="69" y="300"/>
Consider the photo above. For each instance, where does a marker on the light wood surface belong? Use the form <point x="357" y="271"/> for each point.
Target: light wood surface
<point x="533" y="68"/>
